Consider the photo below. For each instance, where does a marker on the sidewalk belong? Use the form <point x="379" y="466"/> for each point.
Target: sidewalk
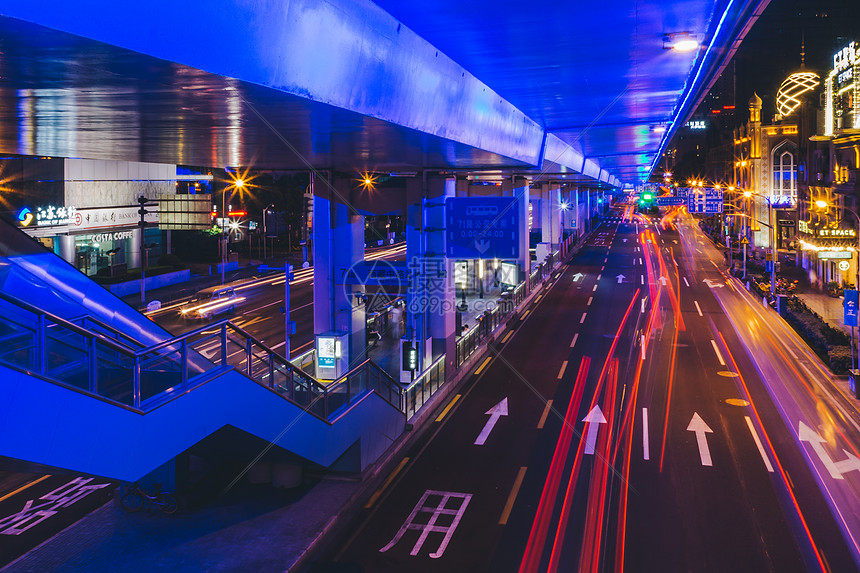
<point x="829" y="308"/>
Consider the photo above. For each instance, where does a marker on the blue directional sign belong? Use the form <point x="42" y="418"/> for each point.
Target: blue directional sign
<point x="707" y="201"/>
<point x="664" y="201"/>
<point x="850" y="305"/>
<point x="481" y="228"/>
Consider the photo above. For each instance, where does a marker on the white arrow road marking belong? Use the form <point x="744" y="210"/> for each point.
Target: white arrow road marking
<point x="717" y="350"/>
<point x="624" y="240"/>
<point x="496" y="412"/>
<point x="698" y="425"/>
<point x="663" y="281"/>
<point x="852" y="463"/>
<point x="620" y="278"/>
<point x="764" y="457"/>
<point x="713" y="284"/>
<point x="577" y="276"/>
<point x="646" y="448"/>
<point x="807" y="434"/>
<point x="593" y="419"/>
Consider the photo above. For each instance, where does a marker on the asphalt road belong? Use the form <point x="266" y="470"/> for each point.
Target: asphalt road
<point x="644" y="416"/>
<point x="261" y="300"/>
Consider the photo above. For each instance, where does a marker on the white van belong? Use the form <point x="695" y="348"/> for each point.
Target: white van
<point x="209" y="302"/>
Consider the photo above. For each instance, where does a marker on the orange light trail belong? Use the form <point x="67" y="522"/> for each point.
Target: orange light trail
<point x="785" y="481"/>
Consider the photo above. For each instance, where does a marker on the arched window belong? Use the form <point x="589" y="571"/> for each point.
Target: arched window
<point x="784" y="188"/>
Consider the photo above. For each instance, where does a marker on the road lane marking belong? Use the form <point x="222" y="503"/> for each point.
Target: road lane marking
<point x="525" y="314"/>
<point x="698" y="309"/>
<point x="685" y="281"/>
<point x="603" y="267"/>
<point x="483" y="365"/>
<point x="544" y="415"/>
<point x="508" y="335"/>
<point x="717" y="350"/>
<point x="23" y="487"/>
<point x="561" y="371"/>
<point x="642" y="310"/>
<point x="594" y="289"/>
<point x="450" y="405"/>
<point x="540" y="296"/>
<point x="790" y="351"/>
<point x="593" y="419"/>
<point x="427" y="524"/>
<point x="386" y="483"/>
<point x="642" y="346"/>
<point x="700" y="428"/>
<point x="572" y="342"/>
<point x="591" y="298"/>
<point x="758" y="445"/>
<point x="581" y="320"/>
<point x="642" y="279"/>
<point x="496" y="412"/>
<point x="598" y="277"/>
<point x="646" y="448"/>
<point x="509" y="505"/>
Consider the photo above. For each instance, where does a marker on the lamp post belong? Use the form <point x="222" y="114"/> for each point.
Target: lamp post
<point x="265" y="210"/>
<point x="772" y="227"/>
<point x="238" y="184"/>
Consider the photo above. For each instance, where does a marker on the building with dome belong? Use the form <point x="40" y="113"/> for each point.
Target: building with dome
<point x="769" y="168"/>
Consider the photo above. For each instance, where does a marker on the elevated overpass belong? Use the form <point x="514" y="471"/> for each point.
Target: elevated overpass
<point x="547" y="104"/>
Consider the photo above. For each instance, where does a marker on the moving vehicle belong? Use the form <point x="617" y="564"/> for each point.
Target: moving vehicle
<point x="209" y="302"/>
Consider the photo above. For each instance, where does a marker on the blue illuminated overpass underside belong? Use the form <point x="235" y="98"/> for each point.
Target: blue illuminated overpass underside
<point x="562" y="87"/>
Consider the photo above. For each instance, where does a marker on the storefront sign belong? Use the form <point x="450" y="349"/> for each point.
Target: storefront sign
<point x="786" y="222"/>
<point x="836" y="233"/>
<point x="103" y="218"/>
<point x="844" y="265"/>
<point x="51" y="215"/>
<point x="834" y="254"/>
<point x="845" y="58"/>
<point x="117" y="236"/>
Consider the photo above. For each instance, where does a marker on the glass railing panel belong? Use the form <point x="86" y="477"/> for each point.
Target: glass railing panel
<point x="337" y="396"/>
<point x="18" y="348"/>
<point x="67" y="357"/>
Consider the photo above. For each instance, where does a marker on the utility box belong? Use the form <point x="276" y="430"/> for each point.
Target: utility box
<point x="332" y="355"/>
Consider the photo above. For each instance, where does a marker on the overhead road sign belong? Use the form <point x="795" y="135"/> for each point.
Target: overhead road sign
<point x="669" y="200"/>
<point x="481" y="228"/>
<point x="707" y="201"/>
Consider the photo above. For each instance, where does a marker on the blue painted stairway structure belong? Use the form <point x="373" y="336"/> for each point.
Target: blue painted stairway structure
<point x="91" y="385"/>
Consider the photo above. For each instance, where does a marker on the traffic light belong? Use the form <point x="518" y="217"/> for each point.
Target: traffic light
<point x="308" y="210"/>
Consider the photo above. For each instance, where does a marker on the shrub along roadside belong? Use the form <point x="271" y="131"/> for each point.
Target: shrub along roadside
<point x="830" y="344"/>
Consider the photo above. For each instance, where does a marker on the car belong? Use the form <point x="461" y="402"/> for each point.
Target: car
<point x="210" y="302"/>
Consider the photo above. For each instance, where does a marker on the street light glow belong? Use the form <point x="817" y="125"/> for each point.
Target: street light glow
<point x="821" y="204"/>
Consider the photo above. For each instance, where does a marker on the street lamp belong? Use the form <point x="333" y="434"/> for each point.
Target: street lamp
<point x="265" y="210"/>
<point x="747" y="194"/>
<point x="238" y="183"/>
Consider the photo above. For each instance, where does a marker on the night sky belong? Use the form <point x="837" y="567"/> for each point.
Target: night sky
<point x="771" y="51"/>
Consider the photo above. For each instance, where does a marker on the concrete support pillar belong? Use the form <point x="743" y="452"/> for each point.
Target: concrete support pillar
<point x="439" y="274"/>
<point x="67" y="248"/>
<point x="338" y="244"/>
<point x="431" y="300"/>
<point x="519" y="188"/>
<point x="134" y="248"/>
<point x="550" y="214"/>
